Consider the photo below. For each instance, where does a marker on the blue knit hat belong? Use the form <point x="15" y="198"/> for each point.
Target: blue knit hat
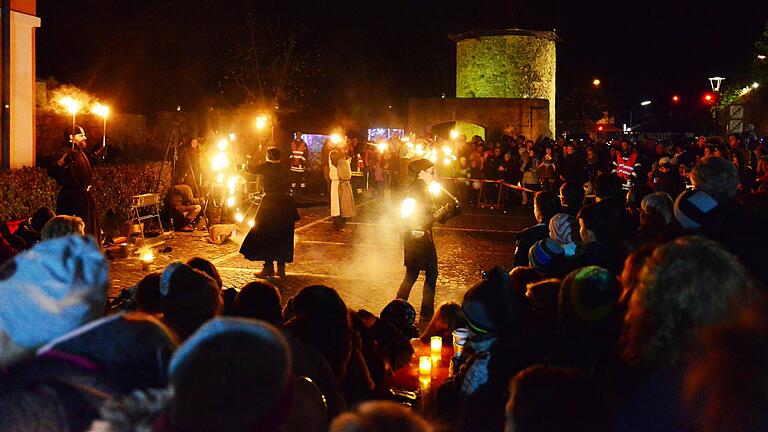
<point x="546" y="255"/>
<point x="695" y="209"/>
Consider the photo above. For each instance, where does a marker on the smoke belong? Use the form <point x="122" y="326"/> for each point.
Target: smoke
<point x="85" y="100"/>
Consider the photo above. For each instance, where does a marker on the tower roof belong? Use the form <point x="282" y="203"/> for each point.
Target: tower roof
<point x="474" y="34"/>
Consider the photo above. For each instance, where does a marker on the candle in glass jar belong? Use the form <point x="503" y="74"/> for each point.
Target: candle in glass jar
<point x="436" y="343"/>
<point x="425" y="365"/>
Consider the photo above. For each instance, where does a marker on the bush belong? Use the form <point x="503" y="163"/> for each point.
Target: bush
<point x="22" y="191"/>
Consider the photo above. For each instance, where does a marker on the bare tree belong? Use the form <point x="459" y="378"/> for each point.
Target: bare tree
<point x="275" y="65"/>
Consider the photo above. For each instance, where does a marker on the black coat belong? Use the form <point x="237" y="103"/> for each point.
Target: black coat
<point x="76" y="195"/>
<point x="419" y="244"/>
<point x="525" y="239"/>
<point x="271" y="238"/>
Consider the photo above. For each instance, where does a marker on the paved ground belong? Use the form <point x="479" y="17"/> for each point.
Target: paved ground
<point x="365" y="261"/>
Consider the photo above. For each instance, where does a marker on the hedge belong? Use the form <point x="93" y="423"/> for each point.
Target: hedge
<point x="22" y="191"/>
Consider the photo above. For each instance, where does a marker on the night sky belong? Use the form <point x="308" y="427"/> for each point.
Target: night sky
<point x="146" y="56"/>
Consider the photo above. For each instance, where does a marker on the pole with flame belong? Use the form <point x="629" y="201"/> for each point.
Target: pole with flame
<point x="72" y="106"/>
<point x="102" y="111"/>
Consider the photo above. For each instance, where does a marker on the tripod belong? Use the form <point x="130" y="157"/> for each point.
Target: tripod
<point x="174" y="142"/>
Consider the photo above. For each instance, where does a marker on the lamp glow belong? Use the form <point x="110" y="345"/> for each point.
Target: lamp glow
<point x="222" y="144"/>
<point x="408" y="207"/>
<point x="251" y="223"/>
<point x="232" y="136"/>
<point x="382" y="147"/>
<point x="219" y="161"/>
<point x="755" y="85"/>
<point x="454" y="134"/>
<point x="220" y="178"/>
<point x="261" y="122"/>
<point x="435" y="188"/>
<point x="596" y="82"/>
<point x="231" y="201"/>
<point x="645" y="103"/>
<point x="239" y="217"/>
<point x="147" y="258"/>
<point x="335" y="138"/>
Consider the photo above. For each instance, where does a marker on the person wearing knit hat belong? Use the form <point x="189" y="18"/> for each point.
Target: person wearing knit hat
<point x="232" y="374"/>
<point x="402" y="315"/>
<point x="546" y="256"/>
<point x="48" y="291"/>
<point x="189" y="297"/>
<point x="564" y="229"/>
<point x="696" y="209"/>
<point x="418" y="215"/>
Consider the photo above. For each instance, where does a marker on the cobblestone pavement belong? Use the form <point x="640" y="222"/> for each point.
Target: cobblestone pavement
<point x="364" y="262"/>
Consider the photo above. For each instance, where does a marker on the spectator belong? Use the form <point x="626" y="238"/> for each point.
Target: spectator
<point x="380" y="416"/>
<point x="547" y="257"/>
<point x="572" y="197"/>
<point x="63" y="225"/>
<point x="147" y="295"/>
<point x="259" y="300"/>
<point x="402" y="315"/>
<point x="552" y="399"/>
<point x="726" y="383"/>
<point x="233" y="374"/>
<point x="448" y="318"/>
<point x="655" y="215"/>
<point x="48" y="291"/>
<point x="545" y="205"/>
<point x="30" y="230"/>
<point x="684" y="286"/>
<point x="190" y="298"/>
<point x="564" y="230"/>
<point x="598" y="226"/>
<point x="717" y="177"/>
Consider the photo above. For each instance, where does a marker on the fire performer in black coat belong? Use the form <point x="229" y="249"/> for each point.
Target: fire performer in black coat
<point x="418" y="213"/>
<point x="271" y="238"/>
<point x="72" y="171"/>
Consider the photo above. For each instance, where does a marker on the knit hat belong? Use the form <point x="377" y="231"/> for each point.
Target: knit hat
<point x="51" y="289"/>
<point x="135" y="343"/>
<point x="563" y="228"/>
<point x="402" y="315"/>
<point x="695" y="209"/>
<point x="588" y="294"/>
<point x="419" y="165"/>
<point x="485" y="304"/>
<point x="546" y="255"/>
<point x="664" y="161"/>
<point x="231" y="374"/>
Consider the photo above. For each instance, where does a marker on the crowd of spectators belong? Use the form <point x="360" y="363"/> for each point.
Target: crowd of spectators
<point x="641" y="309"/>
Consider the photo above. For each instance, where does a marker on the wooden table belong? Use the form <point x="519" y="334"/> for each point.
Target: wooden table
<point x="408" y="377"/>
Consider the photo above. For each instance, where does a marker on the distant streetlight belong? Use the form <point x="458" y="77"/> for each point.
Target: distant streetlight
<point x="631" y="111"/>
<point x="102" y="111"/>
<point x="714" y="82"/>
<point x="761" y="57"/>
<point x="596" y="82"/>
<point x="675" y="98"/>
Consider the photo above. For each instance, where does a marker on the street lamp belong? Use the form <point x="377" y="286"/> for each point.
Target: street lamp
<point x="102" y="111"/>
<point x="714" y="82"/>
<point x="596" y="82"/>
<point x="631" y="111"/>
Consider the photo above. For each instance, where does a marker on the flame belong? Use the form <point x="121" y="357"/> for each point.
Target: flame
<point x="408" y="207"/>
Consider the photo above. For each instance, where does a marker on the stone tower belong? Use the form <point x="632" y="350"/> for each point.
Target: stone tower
<point x="512" y="63"/>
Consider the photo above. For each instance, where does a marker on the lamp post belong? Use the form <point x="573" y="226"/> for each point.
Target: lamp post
<point x="102" y="111"/>
<point x="714" y="82"/>
<point x="631" y="110"/>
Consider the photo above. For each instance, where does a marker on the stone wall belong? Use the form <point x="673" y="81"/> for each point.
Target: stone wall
<point x="529" y="117"/>
<point x="518" y="65"/>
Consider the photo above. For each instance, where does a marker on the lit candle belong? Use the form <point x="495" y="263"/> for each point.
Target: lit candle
<point x="425" y="365"/>
<point x="146" y="259"/>
<point x="436" y="343"/>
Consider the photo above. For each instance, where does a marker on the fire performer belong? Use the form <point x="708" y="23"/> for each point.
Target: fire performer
<point x="342" y="198"/>
<point x="298" y="159"/>
<point x="418" y="212"/>
<point x="271" y="237"/>
<point x="73" y="172"/>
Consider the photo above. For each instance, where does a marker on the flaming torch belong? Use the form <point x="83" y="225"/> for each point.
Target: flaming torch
<point x="102" y="111"/>
<point x="72" y="106"/>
